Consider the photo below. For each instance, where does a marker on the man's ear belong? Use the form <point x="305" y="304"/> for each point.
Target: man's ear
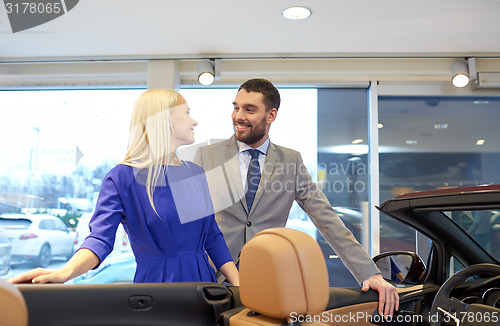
<point x="271" y="115"/>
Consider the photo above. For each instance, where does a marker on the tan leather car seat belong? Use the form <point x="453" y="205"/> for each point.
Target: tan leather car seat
<point x="13" y="310"/>
<point x="283" y="277"/>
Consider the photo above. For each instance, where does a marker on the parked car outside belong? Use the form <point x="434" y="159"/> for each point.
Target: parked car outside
<point x="118" y="267"/>
<point x="5" y="253"/>
<point x="37" y="238"/>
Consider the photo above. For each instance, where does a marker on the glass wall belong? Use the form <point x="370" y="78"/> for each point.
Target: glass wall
<point x="430" y="143"/>
<point x="295" y="127"/>
<point x="56" y="148"/>
<point x="343" y="174"/>
<point x="434" y="142"/>
<point x="58" y="145"/>
<point x="342" y="167"/>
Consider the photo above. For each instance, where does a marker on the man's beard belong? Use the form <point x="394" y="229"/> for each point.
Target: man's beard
<point x="256" y="134"/>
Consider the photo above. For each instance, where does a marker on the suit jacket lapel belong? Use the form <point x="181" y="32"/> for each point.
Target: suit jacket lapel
<point x="232" y="166"/>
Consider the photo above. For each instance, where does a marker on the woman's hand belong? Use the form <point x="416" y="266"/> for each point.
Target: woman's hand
<point x="41" y="275"/>
<point x="81" y="262"/>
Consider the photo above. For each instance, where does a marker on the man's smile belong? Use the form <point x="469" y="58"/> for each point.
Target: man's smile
<point x="242" y="127"/>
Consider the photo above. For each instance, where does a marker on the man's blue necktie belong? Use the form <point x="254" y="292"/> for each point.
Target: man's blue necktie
<point x="253" y="177"/>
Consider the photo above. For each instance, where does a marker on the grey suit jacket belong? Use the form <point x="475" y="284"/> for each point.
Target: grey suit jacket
<point x="284" y="179"/>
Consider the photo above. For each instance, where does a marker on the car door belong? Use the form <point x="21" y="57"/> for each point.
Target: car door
<point x="153" y="304"/>
<point x="49" y="234"/>
<point x="55" y="236"/>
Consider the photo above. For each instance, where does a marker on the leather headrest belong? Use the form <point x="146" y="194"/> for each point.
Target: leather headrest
<point x="283" y="271"/>
<point x="13" y="307"/>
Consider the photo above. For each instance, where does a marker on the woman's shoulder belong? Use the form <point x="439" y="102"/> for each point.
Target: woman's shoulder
<point x="120" y="172"/>
<point x="193" y="167"/>
<point x="186" y="170"/>
<point x="120" y="168"/>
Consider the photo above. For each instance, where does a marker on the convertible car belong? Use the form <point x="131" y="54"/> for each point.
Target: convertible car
<point x="451" y="278"/>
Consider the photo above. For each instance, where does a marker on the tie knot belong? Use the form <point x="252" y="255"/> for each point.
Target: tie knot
<point x="254" y="153"/>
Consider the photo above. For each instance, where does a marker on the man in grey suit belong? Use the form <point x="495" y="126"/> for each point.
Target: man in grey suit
<point x="232" y="168"/>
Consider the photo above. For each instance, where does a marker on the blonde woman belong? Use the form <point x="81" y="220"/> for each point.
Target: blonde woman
<point x="162" y="202"/>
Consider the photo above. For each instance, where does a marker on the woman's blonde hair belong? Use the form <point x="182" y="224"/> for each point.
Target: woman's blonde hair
<point x="150" y="135"/>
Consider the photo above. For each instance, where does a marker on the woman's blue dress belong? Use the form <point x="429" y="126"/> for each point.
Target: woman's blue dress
<point x="170" y="246"/>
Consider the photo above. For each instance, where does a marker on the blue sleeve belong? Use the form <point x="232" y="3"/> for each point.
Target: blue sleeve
<point x="108" y="215"/>
<point x="216" y="245"/>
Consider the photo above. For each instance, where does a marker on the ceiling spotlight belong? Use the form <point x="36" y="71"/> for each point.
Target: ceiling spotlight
<point x="460" y="74"/>
<point x="296" y="12"/>
<point x="208" y="71"/>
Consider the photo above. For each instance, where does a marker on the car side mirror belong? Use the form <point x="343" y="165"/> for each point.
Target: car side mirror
<point x="401" y="266"/>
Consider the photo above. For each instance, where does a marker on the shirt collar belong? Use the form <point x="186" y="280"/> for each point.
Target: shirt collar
<point x="262" y="148"/>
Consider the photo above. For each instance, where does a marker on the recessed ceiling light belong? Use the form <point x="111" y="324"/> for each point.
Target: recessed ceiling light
<point x="357" y="141"/>
<point x="480" y="142"/>
<point x="481" y="102"/>
<point x="412" y="142"/>
<point x="296" y="12"/>
<point x="440" y="126"/>
<point x="380" y="126"/>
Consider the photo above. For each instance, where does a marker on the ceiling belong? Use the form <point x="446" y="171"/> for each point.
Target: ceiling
<point x="131" y="29"/>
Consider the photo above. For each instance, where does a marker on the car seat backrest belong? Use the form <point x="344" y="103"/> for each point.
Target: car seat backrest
<point x="12" y="306"/>
<point x="282" y="271"/>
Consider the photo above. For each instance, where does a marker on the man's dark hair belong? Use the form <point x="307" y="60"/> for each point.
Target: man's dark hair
<point x="265" y="87"/>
